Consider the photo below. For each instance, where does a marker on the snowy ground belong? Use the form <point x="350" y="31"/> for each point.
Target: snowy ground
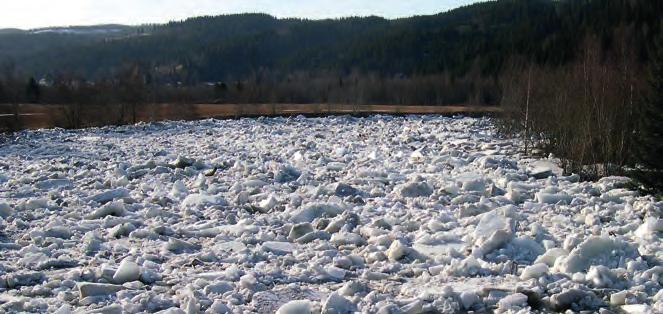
<point x="378" y="215"/>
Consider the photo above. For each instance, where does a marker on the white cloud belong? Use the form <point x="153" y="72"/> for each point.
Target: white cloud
<point x="42" y="13"/>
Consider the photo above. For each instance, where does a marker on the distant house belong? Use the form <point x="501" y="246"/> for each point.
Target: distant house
<point x="46" y="81"/>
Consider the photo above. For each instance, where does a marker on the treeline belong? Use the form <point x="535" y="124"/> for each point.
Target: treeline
<point x="587" y="112"/>
<point x="122" y="99"/>
<point x="601" y="113"/>
<point x="299" y="87"/>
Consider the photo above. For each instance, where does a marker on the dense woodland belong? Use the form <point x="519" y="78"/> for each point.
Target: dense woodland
<point x="574" y="76"/>
<point x="450" y="58"/>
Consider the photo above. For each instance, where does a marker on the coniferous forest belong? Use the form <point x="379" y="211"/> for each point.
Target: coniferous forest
<point x="450" y="58"/>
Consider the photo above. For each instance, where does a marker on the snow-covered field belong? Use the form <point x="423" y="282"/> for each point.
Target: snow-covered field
<point x="377" y="215"/>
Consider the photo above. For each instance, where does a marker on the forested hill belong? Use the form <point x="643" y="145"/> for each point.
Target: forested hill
<point x="477" y="39"/>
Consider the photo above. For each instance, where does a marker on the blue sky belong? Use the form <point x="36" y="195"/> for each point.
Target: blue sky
<point x="43" y="13"/>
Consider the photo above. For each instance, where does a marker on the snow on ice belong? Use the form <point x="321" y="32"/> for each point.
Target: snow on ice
<point x="417" y="214"/>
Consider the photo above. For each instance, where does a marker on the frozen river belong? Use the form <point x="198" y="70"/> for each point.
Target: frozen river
<point x="416" y="214"/>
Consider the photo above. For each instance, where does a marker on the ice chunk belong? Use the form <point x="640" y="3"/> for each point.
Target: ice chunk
<point x="92" y="243"/>
<point x="109" y="309"/>
<point x="415" y="189"/>
<point x="513" y="301"/>
<point x="59" y="263"/>
<point x="54" y="184"/>
<point x="653" y="273"/>
<point x="179" y="189"/>
<point x="178" y="246"/>
<point x="296" y="307"/>
<point x="492" y="232"/>
<point x="182" y="162"/>
<point x="618" y="298"/>
<point x="24" y="279"/>
<point x="345" y="238"/>
<point x="287" y="174"/>
<point x="121" y="230"/>
<point x="553" y="198"/>
<point x="335" y="303"/>
<point x="597" y="250"/>
<point x="238" y="229"/>
<point x="534" y="271"/>
<point x="219" y="307"/>
<point x="613" y="182"/>
<point x="436" y="250"/>
<point x="417" y="156"/>
<point x="335" y="273"/>
<point x="200" y="200"/>
<point x="564" y="300"/>
<point x="311" y="212"/>
<point x="416" y="306"/>
<point x="474" y="185"/>
<point x="87" y="289"/>
<point x="5" y="210"/>
<point x="550" y="256"/>
<point x="469" y="210"/>
<point x="299" y="230"/>
<point x="650" y="228"/>
<point x="658" y="297"/>
<point x="64" y="309"/>
<point x="220" y="287"/>
<point x="335" y="166"/>
<point x="110" y="195"/>
<point x="636" y="308"/>
<point x="174" y="310"/>
<point x="127" y="271"/>
<point x="36" y="203"/>
<point x="350" y="220"/>
<point x="525" y="248"/>
<point x="268" y="203"/>
<point x="343" y="190"/>
<point x="542" y="169"/>
<point x="255" y="183"/>
<point x="397" y="250"/>
<point x="497" y="162"/>
<point x="601" y="276"/>
<point x="351" y="288"/>
<point x="149" y="276"/>
<point x="57" y="231"/>
<point x="468" y="298"/>
<point x="618" y="195"/>
<point x="312" y="236"/>
<point x="278" y="248"/>
<point x="113" y="209"/>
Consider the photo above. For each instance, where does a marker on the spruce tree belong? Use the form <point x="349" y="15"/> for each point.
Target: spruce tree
<point x="32" y="91"/>
<point x="650" y="143"/>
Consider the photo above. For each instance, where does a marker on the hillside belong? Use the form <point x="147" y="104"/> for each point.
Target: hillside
<point x="475" y="39"/>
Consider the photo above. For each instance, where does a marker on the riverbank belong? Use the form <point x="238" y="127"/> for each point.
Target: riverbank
<point x="37" y="116"/>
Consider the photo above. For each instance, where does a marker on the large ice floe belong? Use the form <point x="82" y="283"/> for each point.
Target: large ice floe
<point x="416" y="214"/>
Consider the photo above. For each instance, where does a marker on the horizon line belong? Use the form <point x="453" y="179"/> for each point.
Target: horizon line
<point x="283" y="17"/>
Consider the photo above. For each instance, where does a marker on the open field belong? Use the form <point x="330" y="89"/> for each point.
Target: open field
<point x="47" y="116"/>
